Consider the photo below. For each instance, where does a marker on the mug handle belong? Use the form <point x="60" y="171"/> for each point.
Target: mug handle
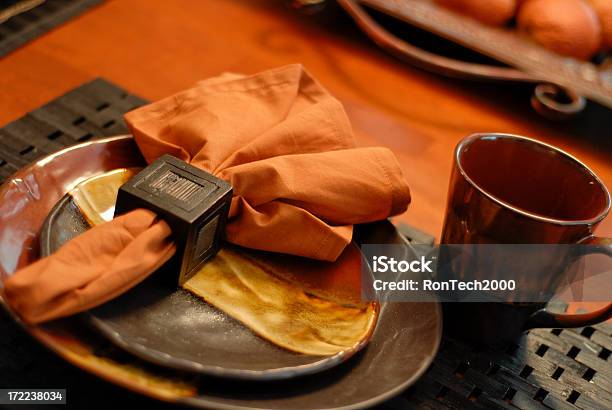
<point x="546" y="319"/>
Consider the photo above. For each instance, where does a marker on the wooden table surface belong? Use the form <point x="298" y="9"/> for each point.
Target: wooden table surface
<point x="155" y="48"/>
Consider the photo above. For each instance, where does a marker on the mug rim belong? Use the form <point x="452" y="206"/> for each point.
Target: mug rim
<point x="477" y="136"/>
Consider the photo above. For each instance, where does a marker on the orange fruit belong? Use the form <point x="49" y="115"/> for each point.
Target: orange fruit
<point x="603" y="8"/>
<point x="493" y="12"/>
<point x="568" y="27"/>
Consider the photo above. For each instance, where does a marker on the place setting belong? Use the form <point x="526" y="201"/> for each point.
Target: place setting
<point x="189" y="262"/>
<point x="327" y="205"/>
<point x="293" y="331"/>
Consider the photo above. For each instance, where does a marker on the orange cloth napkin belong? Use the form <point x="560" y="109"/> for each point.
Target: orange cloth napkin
<point x="282" y="141"/>
<point x="91" y="269"/>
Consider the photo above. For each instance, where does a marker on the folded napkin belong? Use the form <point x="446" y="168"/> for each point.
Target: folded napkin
<point x="285" y="145"/>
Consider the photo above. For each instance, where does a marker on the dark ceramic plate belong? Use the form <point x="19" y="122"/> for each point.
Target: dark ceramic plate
<point x="171" y="327"/>
<point x="402" y="347"/>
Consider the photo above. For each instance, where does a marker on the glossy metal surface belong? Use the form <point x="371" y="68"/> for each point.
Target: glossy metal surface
<point x="403" y="345"/>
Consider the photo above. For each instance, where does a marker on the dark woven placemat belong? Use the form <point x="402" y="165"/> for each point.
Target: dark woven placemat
<point x="92" y="110"/>
<point x="559" y="369"/>
<point x="546" y="368"/>
<point x="28" y="25"/>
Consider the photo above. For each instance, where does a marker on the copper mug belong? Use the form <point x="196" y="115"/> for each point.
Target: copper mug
<point x="507" y="189"/>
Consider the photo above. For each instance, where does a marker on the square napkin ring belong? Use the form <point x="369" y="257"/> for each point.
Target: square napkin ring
<point x="194" y="203"/>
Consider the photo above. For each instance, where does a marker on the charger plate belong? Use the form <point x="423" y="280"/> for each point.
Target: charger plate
<point x="403" y="344"/>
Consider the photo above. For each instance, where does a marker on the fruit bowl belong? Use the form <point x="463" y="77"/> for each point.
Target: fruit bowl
<point x="561" y="83"/>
